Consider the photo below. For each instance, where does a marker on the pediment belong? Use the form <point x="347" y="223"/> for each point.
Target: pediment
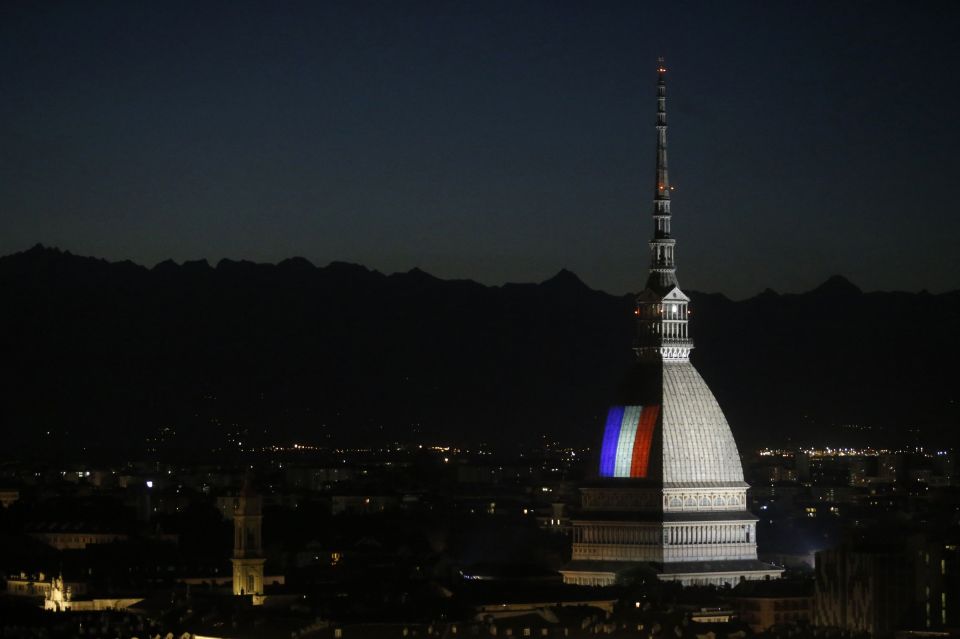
<point x="675" y="295"/>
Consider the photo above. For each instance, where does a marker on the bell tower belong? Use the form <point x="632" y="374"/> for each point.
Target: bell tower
<point x="248" y="557"/>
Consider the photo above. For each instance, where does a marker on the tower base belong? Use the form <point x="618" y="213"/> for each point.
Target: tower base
<point x="248" y="576"/>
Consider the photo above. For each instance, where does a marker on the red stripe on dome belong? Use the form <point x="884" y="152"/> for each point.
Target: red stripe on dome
<point x="640" y="461"/>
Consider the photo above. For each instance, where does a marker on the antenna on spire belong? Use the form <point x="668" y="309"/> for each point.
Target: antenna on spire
<point x="660" y="67"/>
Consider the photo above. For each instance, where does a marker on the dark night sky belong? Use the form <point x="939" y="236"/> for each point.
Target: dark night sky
<point x="498" y="141"/>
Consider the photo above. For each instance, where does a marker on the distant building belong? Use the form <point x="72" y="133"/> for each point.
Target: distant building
<point x="899" y="585"/>
<point x="37" y="585"/>
<point x="764" y="604"/>
<point x="363" y="503"/>
<point x="248" y="557"/>
<point x="60" y="597"/>
<point x="936" y="593"/>
<point x="671" y="494"/>
<point x="316" y="479"/>
<point x="73" y="535"/>
<point x="8" y="496"/>
<point x="863" y="590"/>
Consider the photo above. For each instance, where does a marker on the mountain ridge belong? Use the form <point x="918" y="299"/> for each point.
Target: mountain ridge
<point x="114" y="352"/>
<point x="833" y="284"/>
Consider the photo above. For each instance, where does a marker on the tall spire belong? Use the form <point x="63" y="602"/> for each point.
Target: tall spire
<point x="662" y="307"/>
<point x="662" y="191"/>
<point x="662" y="267"/>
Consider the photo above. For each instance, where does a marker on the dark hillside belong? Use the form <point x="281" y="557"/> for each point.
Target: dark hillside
<point x="114" y="354"/>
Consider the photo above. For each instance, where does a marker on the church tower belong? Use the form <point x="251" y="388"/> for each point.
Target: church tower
<point x="248" y="557"/>
<point x="670" y="494"/>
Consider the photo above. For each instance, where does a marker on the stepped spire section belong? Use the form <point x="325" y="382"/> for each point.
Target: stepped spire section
<point x="662" y="309"/>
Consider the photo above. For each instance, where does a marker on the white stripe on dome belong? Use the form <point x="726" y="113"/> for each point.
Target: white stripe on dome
<point x="628" y="433"/>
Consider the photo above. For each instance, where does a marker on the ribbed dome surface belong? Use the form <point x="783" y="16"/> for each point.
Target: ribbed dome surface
<point x="698" y="447"/>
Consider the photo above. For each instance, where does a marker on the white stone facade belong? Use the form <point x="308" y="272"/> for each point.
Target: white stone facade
<point x="690" y="522"/>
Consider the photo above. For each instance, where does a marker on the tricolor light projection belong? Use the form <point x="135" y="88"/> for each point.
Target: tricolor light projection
<point x="627" y="438"/>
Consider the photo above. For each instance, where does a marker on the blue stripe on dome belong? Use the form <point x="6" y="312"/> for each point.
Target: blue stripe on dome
<point x="611" y="436"/>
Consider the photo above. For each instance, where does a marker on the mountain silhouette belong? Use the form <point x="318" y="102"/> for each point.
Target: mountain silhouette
<point x="117" y="356"/>
<point x="837" y="286"/>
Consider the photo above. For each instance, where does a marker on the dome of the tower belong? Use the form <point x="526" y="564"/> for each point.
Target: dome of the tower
<point x="670" y="428"/>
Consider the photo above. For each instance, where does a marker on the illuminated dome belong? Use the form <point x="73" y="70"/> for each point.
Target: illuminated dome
<point x="679" y="436"/>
